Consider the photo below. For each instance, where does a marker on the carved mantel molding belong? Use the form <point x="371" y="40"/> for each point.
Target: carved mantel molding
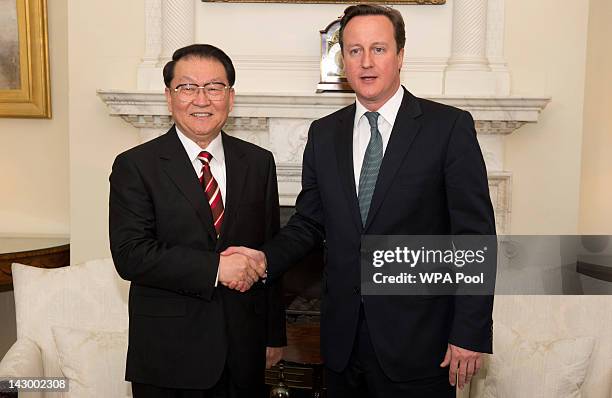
<point x="279" y="122"/>
<point x="147" y="109"/>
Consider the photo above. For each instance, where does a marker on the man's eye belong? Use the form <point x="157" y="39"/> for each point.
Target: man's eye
<point x="189" y="87"/>
<point x="379" y="50"/>
<point x="354" y="51"/>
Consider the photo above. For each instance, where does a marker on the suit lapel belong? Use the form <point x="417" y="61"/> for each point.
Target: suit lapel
<point x="344" y="157"/>
<point x="405" y="129"/>
<point x="176" y="164"/>
<point x="236" y="172"/>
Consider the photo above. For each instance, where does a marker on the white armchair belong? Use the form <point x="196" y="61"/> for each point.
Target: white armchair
<point x="71" y="322"/>
<point x="548" y="346"/>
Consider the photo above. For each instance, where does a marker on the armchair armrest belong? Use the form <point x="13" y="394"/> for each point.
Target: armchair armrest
<point x="476" y="387"/>
<point x="23" y="359"/>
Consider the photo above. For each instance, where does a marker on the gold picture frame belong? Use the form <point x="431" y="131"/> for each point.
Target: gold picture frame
<point x="24" y="70"/>
<point x="417" y="2"/>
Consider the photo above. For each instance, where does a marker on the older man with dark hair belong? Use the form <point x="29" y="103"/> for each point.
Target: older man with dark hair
<point x="175" y="203"/>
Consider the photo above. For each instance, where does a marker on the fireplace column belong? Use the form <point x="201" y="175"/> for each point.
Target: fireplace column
<point x="468" y="70"/>
<point x="178" y="26"/>
<point x="469" y="36"/>
<point x="169" y="25"/>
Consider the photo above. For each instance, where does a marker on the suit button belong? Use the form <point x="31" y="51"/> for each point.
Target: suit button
<point x="356" y="290"/>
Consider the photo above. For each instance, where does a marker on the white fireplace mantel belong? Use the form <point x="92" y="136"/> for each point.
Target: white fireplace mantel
<point x="279" y="122"/>
<point x="493" y="115"/>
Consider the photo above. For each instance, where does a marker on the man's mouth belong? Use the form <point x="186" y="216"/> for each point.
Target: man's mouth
<point x="200" y="115"/>
<point x="368" y="79"/>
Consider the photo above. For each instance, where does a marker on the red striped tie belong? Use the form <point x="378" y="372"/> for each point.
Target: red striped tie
<point x="213" y="193"/>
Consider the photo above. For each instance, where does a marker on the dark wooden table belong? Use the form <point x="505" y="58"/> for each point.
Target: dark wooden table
<point x="37" y="252"/>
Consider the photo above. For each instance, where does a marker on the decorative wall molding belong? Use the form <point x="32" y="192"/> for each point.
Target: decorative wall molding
<point x="501" y="115"/>
<point x="153" y="33"/>
<point x="497" y="126"/>
<point x="495" y="34"/>
<point x="500" y="188"/>
<point x="247" y="123"/>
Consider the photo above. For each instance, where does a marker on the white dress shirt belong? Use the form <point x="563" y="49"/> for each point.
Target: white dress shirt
<point x="217" y="164"/>
<point x="361" y="129"/>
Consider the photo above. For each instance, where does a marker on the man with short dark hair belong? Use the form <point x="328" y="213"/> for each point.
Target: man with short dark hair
<point x="175" y="203"/>
<point x="389" y="164"/>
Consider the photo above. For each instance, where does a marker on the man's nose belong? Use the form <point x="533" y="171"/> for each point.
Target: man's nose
<point x="366" y="60"/>
<point x="201" y="97"/>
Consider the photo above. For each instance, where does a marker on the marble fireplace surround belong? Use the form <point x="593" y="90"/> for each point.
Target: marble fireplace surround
<point x="279" y="122"/>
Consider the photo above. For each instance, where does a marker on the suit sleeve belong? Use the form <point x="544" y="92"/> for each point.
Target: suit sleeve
<point x="277" y="334"/>
<point x="137" y="253"/>
<point x="471" y="213"/>
<point x="304" y="230"/>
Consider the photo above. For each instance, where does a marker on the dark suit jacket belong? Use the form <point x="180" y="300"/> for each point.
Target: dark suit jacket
<point x="432" y="181"/>
<point x="183" y="329"/>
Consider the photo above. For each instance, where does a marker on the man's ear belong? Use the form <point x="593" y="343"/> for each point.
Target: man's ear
<point x="168" y="99"/>
<point x="231" y="98"/>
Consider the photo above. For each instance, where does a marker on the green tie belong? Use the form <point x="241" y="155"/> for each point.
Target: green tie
<point x="370" y="166"/>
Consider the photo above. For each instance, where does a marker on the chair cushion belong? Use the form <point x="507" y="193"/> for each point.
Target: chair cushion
<point x="89" y="296"/>
<point x="93" y="361"/>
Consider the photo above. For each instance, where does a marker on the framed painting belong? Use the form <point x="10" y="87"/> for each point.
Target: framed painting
<point x="24" y="59"/>
<point x="421" y="2"/>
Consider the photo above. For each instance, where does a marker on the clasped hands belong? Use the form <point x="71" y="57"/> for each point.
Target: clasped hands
<point x="240" y="267"/>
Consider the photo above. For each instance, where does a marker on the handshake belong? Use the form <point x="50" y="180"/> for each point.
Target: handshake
<point x="240" y="267"/>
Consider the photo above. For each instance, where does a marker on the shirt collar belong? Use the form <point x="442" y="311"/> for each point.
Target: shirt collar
<point x="215" y="148"/>
<point x="389" y="109"/>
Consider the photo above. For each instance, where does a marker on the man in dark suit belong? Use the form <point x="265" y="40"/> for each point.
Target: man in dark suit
<point x="390" y="164"/>
<point x="175" y="203"/>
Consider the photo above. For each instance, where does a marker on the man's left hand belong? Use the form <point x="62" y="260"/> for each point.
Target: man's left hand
<point x="273" y="355"/>
<point x="464" y="363"/>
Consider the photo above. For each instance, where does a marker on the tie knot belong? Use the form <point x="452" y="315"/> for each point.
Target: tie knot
<point x="373" y="119"/>
<point x="205" y="157"/>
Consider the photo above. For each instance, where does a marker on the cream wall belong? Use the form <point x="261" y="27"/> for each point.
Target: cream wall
<point x="34" y="156"/>
<point x="105" y="44"/>
<point x="274" y="51"/>
<point x="546" y="52"/>
<point x="34" y="160"/>
<point x="596" y="188"/>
